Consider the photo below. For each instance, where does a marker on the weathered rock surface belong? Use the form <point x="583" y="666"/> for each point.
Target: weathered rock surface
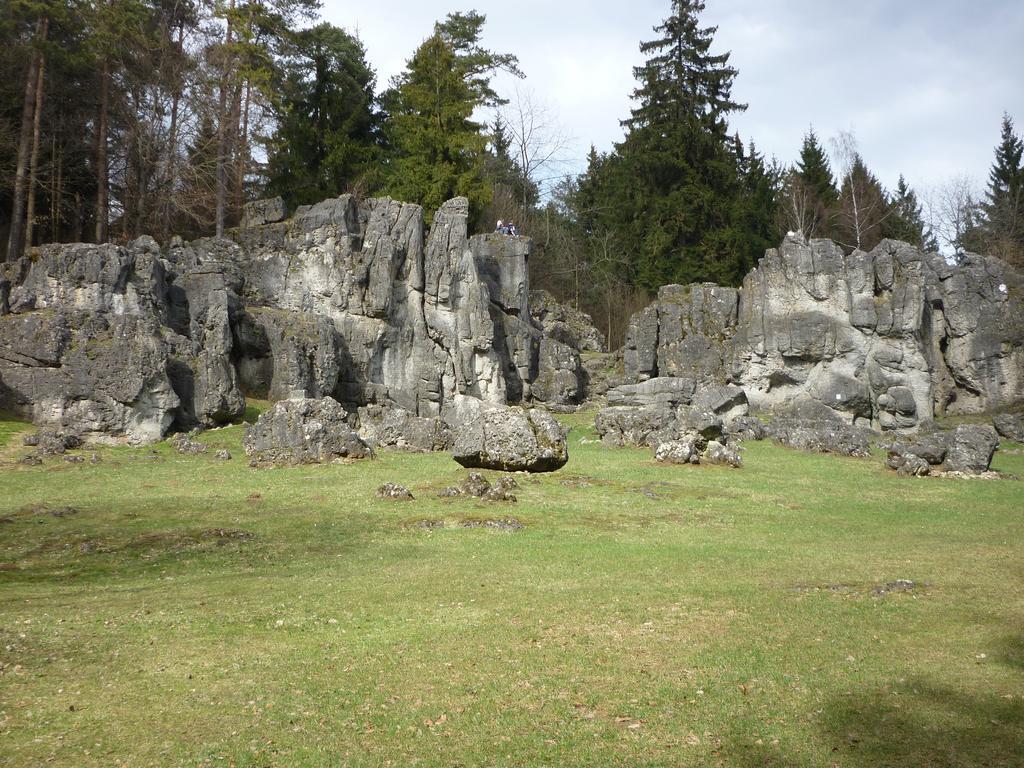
<point x="631" y="425"/>
<point x="722" y="453"/>
<point x="511" y="439"/>
<point x="968" y="449"/>
<point x="821" y="436"/>
<point x="1010" y="426"/>
<point x="380" y="426"/>
<point x="184" y="444"/>
<point x="260" y="212"/>
<point x="680" y="451"/>
<point x="932" y="447"/>
<point x="561" y="380"/>
<point x="303" y="431"/>
<point x="886" y="339"/>
<point x="662" y="409"/>
<point x="565" y="324"/>
<point x="52" y="442"/>
<point x="394" y="492"/>
<point x="694" y="448"/>
<point x="908" y="464"/>
<point x="746" y="428"/>
<point x="664" y="390"/>
<point x="356" y="302"/>
<point x="971" y="448"/>
<point x="346" y="300"/>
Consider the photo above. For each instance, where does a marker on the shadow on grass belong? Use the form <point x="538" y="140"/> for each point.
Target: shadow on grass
<point x="1012" y="655"/>
<point x="926" y="725"/>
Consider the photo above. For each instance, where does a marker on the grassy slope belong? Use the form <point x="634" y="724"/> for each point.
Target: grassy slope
<point x="646" y="615"/>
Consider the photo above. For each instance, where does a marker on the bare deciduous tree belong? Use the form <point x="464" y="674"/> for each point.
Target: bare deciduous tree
<point x="952" y="210"/>
<point x="539" y="141"/>
<point x="863" y="207"/>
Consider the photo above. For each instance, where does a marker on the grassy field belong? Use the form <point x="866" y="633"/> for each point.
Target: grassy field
<point x="190" y="611"/>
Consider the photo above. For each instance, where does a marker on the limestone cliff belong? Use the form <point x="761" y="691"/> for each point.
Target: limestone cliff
<point x="886" y="339"/>
<point x="343" y="299"/>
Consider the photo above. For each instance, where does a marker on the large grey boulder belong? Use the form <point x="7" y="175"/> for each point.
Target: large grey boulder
<point x="908" y="464"/>
<point x="682" y="450"/>
<point x="97" y="375"/>
<point x="303" y="431"/>
<point x="694" y="448"/>
<point x="686" y="333"/>
<point x="630" y="425"/>
<point x="823" y="436"/>
<point x="663" y="390"/>
<point x="1010" y="426"/>
<point x="971" y="448"/>
<point x="931" y="446"/>
<point x="133" y="346"/>
<point x="510" y="439"/>
<point x="391" y="427"/>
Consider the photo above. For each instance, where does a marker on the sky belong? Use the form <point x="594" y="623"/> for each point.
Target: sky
<point x="922" y="84"/>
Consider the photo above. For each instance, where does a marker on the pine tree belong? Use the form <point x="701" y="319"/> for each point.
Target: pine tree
<point x="810" y="195"/>
<point x="755" y="218"/>
<point x="906" y="220"/>
<point x="678" y="163"/>
<point x="813" y="167"/>
<point x="326" y="141"/>
<point x="437" y="148"/>
<point x="1002" y="225"/>
<point x="863" y="208"/>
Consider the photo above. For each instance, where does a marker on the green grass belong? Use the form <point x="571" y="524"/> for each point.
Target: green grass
<point x="645" y="616"/>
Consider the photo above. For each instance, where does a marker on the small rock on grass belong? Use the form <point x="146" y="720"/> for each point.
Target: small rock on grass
<point x="394" y="492"/>
<point x="186" y="445"/>
<point x="475" y="484"/>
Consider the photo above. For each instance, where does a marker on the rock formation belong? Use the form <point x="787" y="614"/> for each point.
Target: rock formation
<point x="342" y="300"/>
<point x="303" y="431"/>
<point x="356" y="302"/>
<point x="887" y="339"/>
<point x="511" y="439"/>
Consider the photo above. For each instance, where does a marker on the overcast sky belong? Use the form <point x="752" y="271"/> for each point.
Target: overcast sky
<point x="921" y="83"/>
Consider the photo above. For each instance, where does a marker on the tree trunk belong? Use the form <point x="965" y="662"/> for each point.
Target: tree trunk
<point x="172" y="148"/>
<point x="57" y="195"/>
<point x="102" y="171"/>
<point x="17" y="233"/>
<point x="33" y="172"/>
<point x="233" y="149"/>
<point x="242" y="153"/>
<point x="129" y="191"/>
<point x="76" y="230"/>
<point x="222" y="135"/>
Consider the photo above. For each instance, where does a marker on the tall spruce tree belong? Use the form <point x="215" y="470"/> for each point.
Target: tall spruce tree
<point x="1002" y="227"/>
<point x="906" y="219"/>
<point x="437" y="149"/>
<point x="810" y="194"/>
<point x="863" y="208"/>
<point x="326" y="141"/>
<point x="677" y="196"/>
<point x="755" y="214"/>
